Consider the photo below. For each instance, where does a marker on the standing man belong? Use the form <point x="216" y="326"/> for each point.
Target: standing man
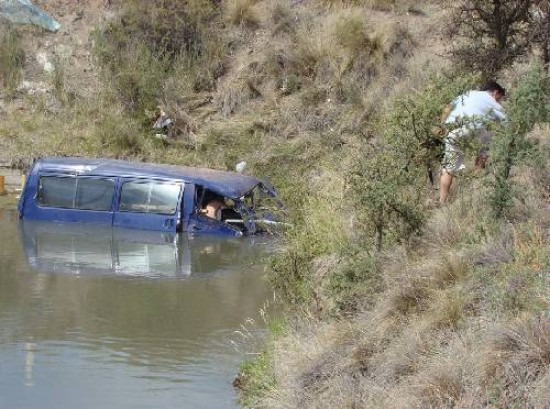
<point x="468" y="115"/>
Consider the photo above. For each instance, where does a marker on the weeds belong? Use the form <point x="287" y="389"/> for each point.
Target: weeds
<point x="256" y="377"/>
<point x="241" y="12"/>
<point x="293" y="270"/>
<point x="148" y="45"/>
<point x="12" y="57"/>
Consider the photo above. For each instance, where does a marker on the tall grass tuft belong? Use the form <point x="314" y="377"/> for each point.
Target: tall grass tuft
<point x="59" y="81"/>
<point x="12" y="57"/>
<point x="517" y="355"/>
<point x="151" y="44"/>
<point x="242" y="12"/>
<point x="120" y="136"/>
<point x="294" y="270"/>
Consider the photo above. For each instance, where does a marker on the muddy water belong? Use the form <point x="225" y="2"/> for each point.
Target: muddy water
<point x="101" y="318"/>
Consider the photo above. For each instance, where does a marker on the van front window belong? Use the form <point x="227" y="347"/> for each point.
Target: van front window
<point x="150" y="197"/>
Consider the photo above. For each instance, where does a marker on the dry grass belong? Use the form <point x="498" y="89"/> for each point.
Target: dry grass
<point x="431" y="338"/>
<point x="517" y="357"/>
<point x="312" y="366"/>
<point x="410" y="296"/>
<point x="451" y="268"/>
<point x="12" y="57"/>
<point x="242" y="12"/>
<point x="447" y="309"/>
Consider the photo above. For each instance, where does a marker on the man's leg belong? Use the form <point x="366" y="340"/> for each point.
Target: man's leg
<point x="445" y="182"/>
<point x="484" y="137"/>
<point x="453" y="161"/>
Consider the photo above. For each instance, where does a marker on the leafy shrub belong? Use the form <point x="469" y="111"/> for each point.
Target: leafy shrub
<point x="529" y="105"/>
<point x="390" y="176"/>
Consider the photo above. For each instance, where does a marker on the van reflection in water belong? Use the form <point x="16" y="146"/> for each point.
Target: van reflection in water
<point x="69" y="248"/>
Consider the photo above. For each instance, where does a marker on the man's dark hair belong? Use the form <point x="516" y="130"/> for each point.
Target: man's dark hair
<point x="492" y="85"/>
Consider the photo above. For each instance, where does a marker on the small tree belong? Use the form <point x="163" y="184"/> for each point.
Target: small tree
<point x="529" y="105"/>
<point x="490" y="34"/>
<point x="540" y="34"/>
<point x="387" y="193"/>
<point x="390" y="176"/>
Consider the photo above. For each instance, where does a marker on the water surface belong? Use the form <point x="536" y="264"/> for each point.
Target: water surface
<point x="93" y="317"/>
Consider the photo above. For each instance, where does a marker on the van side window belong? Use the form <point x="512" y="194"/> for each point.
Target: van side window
<point x="94" y="193"/>
<point x="76" y="193"/>
<point x="56" y="191"/>
<point x="150" y="197"/>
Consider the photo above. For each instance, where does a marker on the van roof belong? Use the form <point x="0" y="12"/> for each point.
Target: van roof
<point x="228" y="184"/>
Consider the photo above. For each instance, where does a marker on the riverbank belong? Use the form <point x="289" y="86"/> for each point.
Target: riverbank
<point x="457" y="317"/>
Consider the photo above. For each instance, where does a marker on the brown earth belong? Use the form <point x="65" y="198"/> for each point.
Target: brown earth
<point x="71" y="45"/>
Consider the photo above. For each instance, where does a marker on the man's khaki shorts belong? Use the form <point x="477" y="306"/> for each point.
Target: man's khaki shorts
<point x="453" y="159"/>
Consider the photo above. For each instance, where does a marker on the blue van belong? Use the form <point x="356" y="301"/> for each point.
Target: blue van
<point x="146" y="196"/>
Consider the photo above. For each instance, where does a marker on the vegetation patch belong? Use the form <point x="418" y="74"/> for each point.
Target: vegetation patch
<point x="12" y="57"/>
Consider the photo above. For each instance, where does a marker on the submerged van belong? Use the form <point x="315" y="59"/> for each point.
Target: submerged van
<point x="147" y="196"/>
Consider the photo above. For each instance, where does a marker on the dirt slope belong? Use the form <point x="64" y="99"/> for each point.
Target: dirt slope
<point x="70" y="47"/>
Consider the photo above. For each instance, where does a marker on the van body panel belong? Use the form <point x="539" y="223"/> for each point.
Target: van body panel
<point x="138" y="195"/>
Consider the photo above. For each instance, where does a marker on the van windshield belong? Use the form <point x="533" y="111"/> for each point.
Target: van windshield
<point x="260" y="209"/>
<point x="250" y="213"/>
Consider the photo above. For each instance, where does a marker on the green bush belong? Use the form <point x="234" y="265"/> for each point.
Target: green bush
<point x="390" y="176"/>
<point x="356" y="281"/>
<point x="529" y="105"/>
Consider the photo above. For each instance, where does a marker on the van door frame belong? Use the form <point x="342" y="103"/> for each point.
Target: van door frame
<point x="146" y="220"/>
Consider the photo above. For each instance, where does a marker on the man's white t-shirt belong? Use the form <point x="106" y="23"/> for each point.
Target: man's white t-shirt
<point x="475" y="108"/>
